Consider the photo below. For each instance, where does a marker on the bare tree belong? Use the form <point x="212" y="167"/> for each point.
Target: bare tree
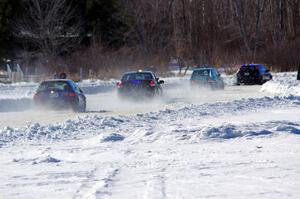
<point x="260" y="6"/>
<point x="298" y="75"/>
<point x="50" y="27"/>
<point x="240" y="7"/>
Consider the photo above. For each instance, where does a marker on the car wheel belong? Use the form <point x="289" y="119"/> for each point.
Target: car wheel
<point x="262" y="82"/>
<point x="84" y="106"/>
<point x="77" y="107"/>
<point x="150" y="94"/>
<point x="159" y="92"/>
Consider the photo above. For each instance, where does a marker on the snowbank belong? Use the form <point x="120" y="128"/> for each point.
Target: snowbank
<point x="183" y="120"/>
<point x="283" y="84"/>
<point x="17" y="91"/>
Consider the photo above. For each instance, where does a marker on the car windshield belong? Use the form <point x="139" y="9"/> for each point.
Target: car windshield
<point x="54" y="85"/>
<point x="137" y="76"/>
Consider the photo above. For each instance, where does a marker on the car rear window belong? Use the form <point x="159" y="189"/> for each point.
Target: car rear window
<point x="137" y="76"/>
<point x="54" y="85"/>
<point x="202" y="73"/>
<point x="260" y="67"/>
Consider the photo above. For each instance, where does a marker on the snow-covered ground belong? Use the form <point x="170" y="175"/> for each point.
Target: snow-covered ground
<point x="284" y="84"/>
<point x="243" y="142"/>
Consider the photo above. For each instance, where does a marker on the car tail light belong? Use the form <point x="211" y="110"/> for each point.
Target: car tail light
<point x="72" y="94"/>
<point x="69" y="94"/>
<point x="119" y="85"/>
<point x="152" y="83"/>
<point x="194" y="82"/>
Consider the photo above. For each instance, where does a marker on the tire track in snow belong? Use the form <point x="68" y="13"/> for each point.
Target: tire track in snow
<point x="97" y="184"/>
<point x="156" y="187"/>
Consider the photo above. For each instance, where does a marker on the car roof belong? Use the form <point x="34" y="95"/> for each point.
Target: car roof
<point x="253" y="65"/>
<point x="58" y="80"/>
<point x="132" y="72"/>
<point x="204" y="68"/>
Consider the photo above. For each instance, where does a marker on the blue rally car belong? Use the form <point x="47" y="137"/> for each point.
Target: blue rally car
<point x="253" y="74"/>
<point x="207" y="77"/>
<point x="139" y="84"/>
<point x="60" y="93"/>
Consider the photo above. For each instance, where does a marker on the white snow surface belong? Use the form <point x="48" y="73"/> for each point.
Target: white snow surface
<point x="284" y="84"/>
<point x="17" y="91"/>
<point x="236" y="143"/>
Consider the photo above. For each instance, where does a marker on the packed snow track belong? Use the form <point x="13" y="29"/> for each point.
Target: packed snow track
<point x="16" y="112"/>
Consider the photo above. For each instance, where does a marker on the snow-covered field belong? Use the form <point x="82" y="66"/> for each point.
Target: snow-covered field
<point x="243" y="142"/>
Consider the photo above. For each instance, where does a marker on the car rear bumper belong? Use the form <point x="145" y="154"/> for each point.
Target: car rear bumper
<point x="205" y="84"/>
<point x="254" y="80"/>
<point x="59" y="103"/>
<point x="136" y="94"/>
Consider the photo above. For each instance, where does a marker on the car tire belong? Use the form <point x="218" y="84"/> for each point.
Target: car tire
<point x="84" y="106"/>
<point x="77" y="108"/>
<point x="159" y="92"/>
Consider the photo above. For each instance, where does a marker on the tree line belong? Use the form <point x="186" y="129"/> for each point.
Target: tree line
<point x="110" y="35"/>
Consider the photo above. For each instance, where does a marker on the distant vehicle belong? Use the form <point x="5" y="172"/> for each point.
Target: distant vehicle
<point x="253" y="74"/>
<point x="4" y="77"/>
<point x="208" y="77"/>
<point x="140" y="84"/>
<point x="60" y="93"/>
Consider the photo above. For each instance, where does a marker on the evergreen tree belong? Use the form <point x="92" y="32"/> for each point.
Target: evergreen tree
<point x="8" y="9"/>
<point x="105" y="22"/>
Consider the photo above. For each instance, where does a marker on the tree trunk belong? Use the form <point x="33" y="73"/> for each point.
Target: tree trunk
<point x="260" y="6"/>
<point x="298" y="76"/>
